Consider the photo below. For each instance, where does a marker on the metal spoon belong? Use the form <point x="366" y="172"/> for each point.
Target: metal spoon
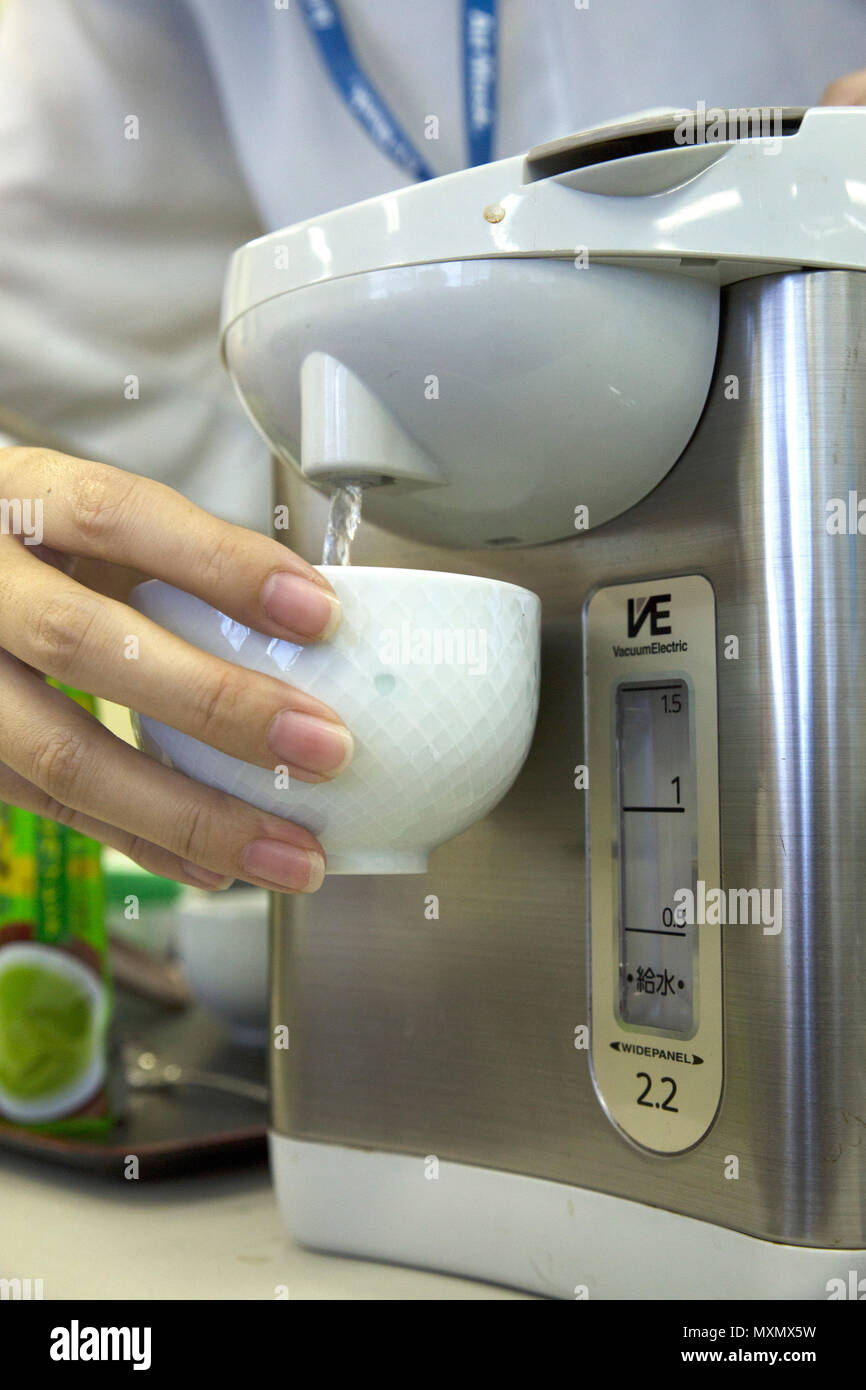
<point x="145" y="1071"/>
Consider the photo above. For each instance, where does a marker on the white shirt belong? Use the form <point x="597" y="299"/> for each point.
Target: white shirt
<point x="113" y="249"/>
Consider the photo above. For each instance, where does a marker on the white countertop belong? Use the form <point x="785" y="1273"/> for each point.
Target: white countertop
<point x="212" y="1236"/>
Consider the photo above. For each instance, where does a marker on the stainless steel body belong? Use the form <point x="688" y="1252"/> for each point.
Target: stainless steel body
<point x="455" y="1035"/>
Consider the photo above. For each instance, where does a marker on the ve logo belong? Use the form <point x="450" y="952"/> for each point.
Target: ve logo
<point x="639" y="609"/>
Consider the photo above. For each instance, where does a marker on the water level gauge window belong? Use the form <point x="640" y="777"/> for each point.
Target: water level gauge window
<point x="657" y="820"/>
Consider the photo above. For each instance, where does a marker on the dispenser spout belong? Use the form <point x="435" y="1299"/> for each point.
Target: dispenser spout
<point x="348" y="435"/>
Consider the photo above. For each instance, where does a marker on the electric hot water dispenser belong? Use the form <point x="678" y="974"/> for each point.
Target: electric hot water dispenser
<point x="612" y="1043"/>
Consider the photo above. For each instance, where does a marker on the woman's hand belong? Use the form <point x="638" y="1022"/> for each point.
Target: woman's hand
<point x="849" y="90"/>
<point x="62" y="614"/>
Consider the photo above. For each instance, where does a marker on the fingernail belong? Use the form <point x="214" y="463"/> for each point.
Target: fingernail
<point x="300" y="606"/>
<point x="205" y="877"/>
<point x="311" y="743"/>
<point x="284" y="865"/>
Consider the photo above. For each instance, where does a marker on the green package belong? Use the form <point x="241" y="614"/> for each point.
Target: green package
<point x="55" y="996"/>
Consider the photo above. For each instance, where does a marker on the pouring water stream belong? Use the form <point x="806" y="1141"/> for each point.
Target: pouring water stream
<point x="343" y="520"/>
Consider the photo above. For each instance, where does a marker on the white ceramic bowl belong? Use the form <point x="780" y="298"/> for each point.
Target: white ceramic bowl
<point x="436" y="676"/>
<point x="70" y="1098"/>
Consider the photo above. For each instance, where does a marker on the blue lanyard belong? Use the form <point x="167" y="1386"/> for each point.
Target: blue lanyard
<point x="325" y="24"/>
